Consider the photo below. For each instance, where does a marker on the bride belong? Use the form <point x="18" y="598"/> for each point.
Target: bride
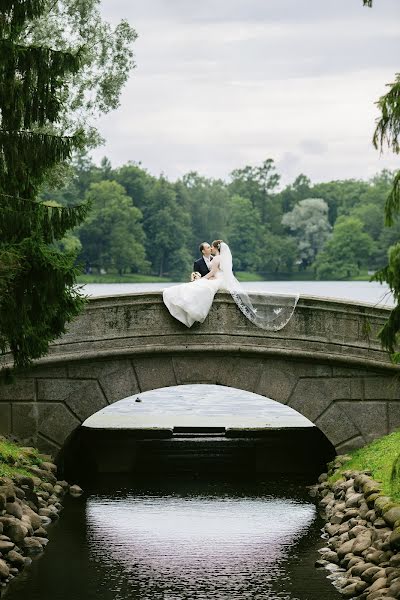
<point x="190" y="302"/>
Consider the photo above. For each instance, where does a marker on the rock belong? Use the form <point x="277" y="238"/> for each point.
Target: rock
<point x="58" y="490"/>
<point x="24" y="481"/>
<point x="8" y="492"/>
<point x="353" y="500"/>
<point x="371" y="515"/>
<point x="362" y="542"/>
<point x="361" y="586"/>
<point x="17" y="532"/>
<point x="371" y="487"/>
<point x="360" y="568"/>
<point x="336" y="519"/>
<point x="32" y="545"/>
<point x="75" y="490"/>
<point x="379" y="523"/>
<point x="355" y="560"/>
<point x="375" y="557"/>
<point x="50" y="467"/>
<point x="394" y="539"/>
<point x="323" y="477"/>
<point x="395" y="560"/>
<point x="380" y="504"/>
<point x="320" y="563"/>
<point x="6" y="546"/>
<point x="345" y="549"/>
<point x="331" y="556"/>
<point x="47" y="487"/>
<point x="16" y="559"/>
<point x="64" y="484"/>
<point x="392" y="515"/>
<point x="377" y="585"/>
<point x="33" y="517"/>
<point x="371" y="500"/>
<point x="394" y="589"/>
<point x="19" y="492"/>
<point x="349" y="591"/>
<point x="4" y="570"/>
<point x="368" y="574"/>
<point x="14" y="509"/>
<point x="40" y="532"/>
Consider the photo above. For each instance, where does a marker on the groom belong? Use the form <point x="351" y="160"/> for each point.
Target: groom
<point x="203" y="265"/>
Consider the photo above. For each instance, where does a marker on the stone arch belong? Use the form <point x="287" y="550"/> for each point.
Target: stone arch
<point x="349" y="405"/>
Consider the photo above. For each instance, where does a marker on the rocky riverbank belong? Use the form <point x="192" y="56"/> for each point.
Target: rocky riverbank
<point x="362" y="552"/>
<point x="30" y="500"/>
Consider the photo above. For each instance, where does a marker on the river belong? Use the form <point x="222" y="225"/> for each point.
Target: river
<point x="175" y="540"/>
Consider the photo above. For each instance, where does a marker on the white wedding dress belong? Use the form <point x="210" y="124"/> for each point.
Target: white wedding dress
<point x="191" y="302"/>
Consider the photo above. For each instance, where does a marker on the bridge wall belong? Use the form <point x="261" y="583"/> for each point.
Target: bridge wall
<point x="326" y="364"/>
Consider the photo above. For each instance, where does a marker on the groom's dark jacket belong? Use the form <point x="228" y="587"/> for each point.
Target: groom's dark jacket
<point x="201" y="267"/>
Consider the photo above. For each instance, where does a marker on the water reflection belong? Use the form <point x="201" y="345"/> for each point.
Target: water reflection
<point x="177" y="541"/>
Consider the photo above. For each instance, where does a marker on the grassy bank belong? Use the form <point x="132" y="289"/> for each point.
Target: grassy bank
<point x="382" y="458"/>
<point x="17" y="460"/>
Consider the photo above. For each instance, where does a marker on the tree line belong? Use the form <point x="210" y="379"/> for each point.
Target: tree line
<point x="139" y="223"/>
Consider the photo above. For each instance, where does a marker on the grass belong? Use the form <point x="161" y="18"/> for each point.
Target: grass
<point x="17" y="460"/>
<point x="381" y="457"/>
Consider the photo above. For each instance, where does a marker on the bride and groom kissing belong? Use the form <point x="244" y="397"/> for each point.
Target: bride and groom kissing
<point x="192" y="301"/>
<point x="202" y="266"/>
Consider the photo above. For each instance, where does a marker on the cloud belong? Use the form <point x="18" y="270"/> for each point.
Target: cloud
<point x="223" y="84"/>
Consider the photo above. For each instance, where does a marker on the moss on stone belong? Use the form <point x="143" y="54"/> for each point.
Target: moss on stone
<point x="17" y="460"/>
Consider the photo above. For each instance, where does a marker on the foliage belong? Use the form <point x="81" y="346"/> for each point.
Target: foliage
<point x="106" y="58"/>
<point x="112" y="235"/>
<point x="38" y="295"/>
<point x="346" y="251"/>
<point x="309" y="223"/>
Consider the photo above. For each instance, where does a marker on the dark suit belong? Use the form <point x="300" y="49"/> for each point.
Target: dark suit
<point x="201" y="267"/>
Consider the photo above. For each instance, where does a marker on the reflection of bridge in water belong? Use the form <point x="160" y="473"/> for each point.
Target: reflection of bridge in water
<point x="326" y="364"/>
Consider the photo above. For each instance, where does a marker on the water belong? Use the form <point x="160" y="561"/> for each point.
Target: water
<point x="355" y="291"/>
<point x="176" y="540"/>
<point x="197" y="405"/>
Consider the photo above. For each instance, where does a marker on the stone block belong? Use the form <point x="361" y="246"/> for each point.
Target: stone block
<point x="393" y="415"/>
<point x="349" y="445"/>
<point x="369" y="417"/>
<point x="119" y="383"/>
<point x="201" y="368"/>
<point x="153" y="374"/>
<point x="241" y="373"/>
<point x="24" y="419"/>
<point x="5" y="418"/>
<point x="336" y="425"/>
<point x="21" y="389"/>
<point x="56" y="422"/>
<point x="277" y="379"/>
<point x="47" y="447"/>
<point x="312" y="396"/>
<point x="382" y="388"/>
<point x="84" y="397"/>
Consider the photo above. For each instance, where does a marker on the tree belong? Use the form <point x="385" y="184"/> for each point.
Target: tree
<point x="112" y="236"/>
<point x="167" y="229"/>
<point x="308" y="221"/>
<point x="346" y="251"/>
<point x="106" y="58"/>
<point x="258" y="185"/>
<point x="278" y="254"/>
<point x="245" y="233"/>
<point x="38" y="280"/>
<point x="387" y="133"/>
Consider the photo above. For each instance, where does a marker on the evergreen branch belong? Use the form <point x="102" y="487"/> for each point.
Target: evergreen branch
<point x="367" y="3"/>
<point x="388" y="127"/>
<point x="14" y="14"/>
<point x="41" y="203"/>
<point x="392" y="205"/>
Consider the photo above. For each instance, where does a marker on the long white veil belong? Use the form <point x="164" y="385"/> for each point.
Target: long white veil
<point x="265" y="310"/>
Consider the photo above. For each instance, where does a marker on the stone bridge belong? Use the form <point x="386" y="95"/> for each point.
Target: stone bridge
<point x="326" y="364"/>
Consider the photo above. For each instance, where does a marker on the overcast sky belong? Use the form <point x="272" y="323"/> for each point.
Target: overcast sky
<point x="224" y="83"/>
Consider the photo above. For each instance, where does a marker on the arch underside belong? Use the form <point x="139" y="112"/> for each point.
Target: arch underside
<point x="349" y="405"/>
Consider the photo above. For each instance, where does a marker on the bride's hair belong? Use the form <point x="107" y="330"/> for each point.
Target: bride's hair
<point x="217" y="244"/>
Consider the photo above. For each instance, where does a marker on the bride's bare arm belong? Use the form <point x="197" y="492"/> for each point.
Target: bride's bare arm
<point x="214" y="268"/>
